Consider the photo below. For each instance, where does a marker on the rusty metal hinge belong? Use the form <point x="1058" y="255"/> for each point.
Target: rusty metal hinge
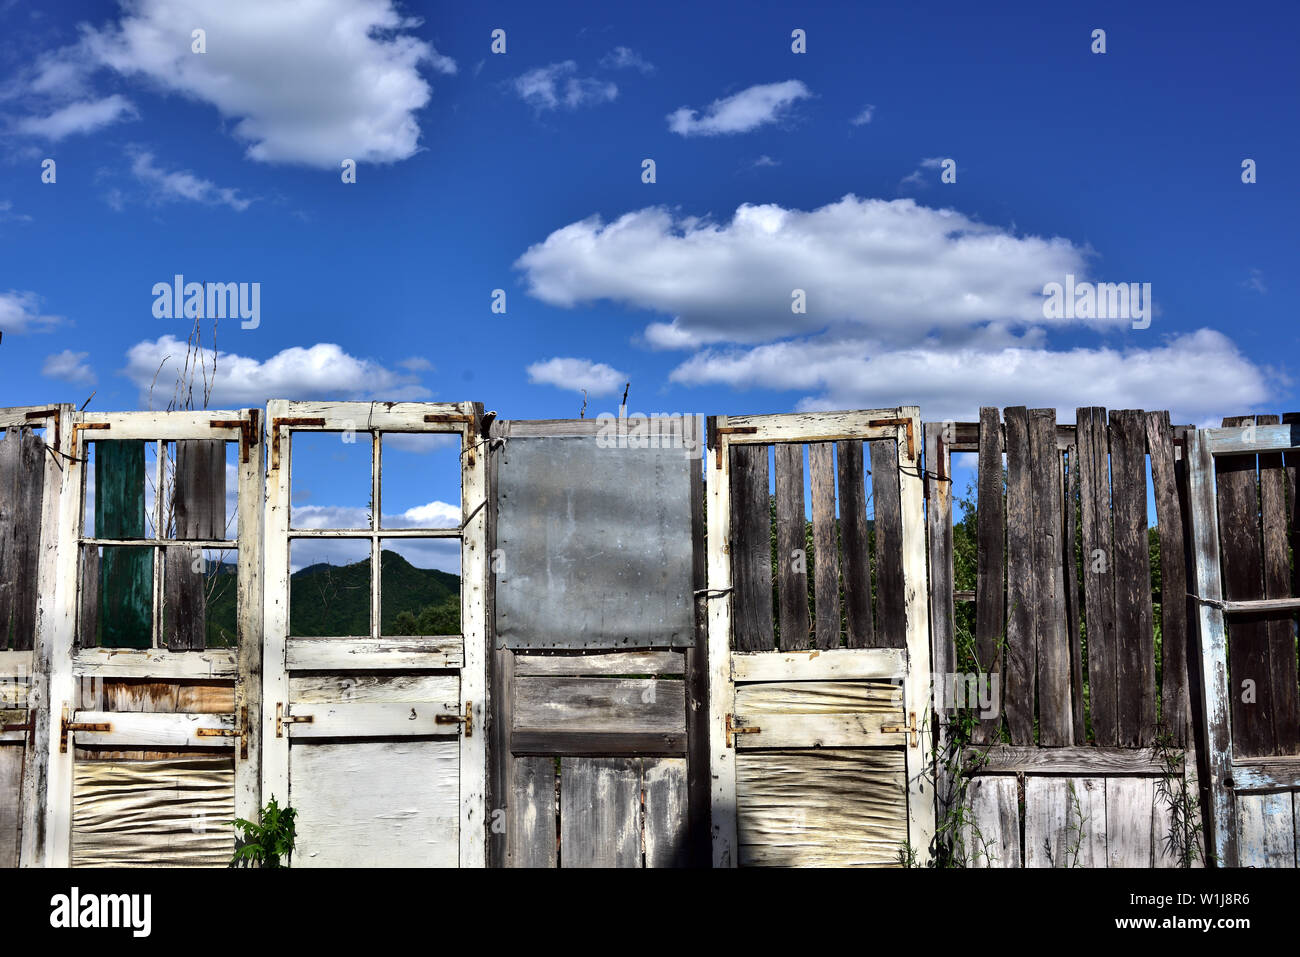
<point x="467" y="721"/>
<point x="907" y="423"/>
<point x="292" y="422"/>
<point x="733" y="728"/>
<point x="901" y="729"/>
<point x="245" y="427"/>
<point x="67" y="727"/>
<point x="730" y="430"/>
<point x="281" y="719"/>
<point x="79" y="427"/>
<point x="28" y="726"/>
<point x="240" y="731"/>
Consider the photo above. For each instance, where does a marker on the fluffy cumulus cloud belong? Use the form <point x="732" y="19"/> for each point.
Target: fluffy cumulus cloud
<point x="741" y="112"/>
<point x="321" y="371"/>
<point x="299" y="83"/>
<point x="580" y="375"/>
<point x="69" y="366"/>
<point x="559" y="86"/>
<point x="20" y="312"/>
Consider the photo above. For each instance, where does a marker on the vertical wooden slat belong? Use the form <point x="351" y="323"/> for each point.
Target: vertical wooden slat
<point x="88" y="598"/>
<point x="751" y="550"/>
<point x="1052" y="652"/>
<point x="1267" y="826"/>
<point x="821" y="472"/>
<point x="10" y="466"/>
<point x="126" y="585"/>
<point x="1243" y="579"/>
<point x="663" y="790"/>
<point x="992" y="834"/>
<point x="1072" y="593"/>
<point x="1136" y="680"/>
<point x="1175" y="691"/>
<point x="185" y="598"/>
<point x="1021" y="628"/>
<point x="530" y="831"/>
<point x="938" y="520"/>
<point x="1130" y="823"/>
<point x="600" y="812"/>
<point x="1284" y="699"/>
<point x="1098" y="573"/>
<point x="200" y="502"/>
<point x="891" y="601"/>
<point x="697" y="686"/>
<point x="791" y="547"/>
<point x="11" y="777"/>
<point x="855" y="546"/>
<point x="990" y="558"/>
<point x="27" y="538"/>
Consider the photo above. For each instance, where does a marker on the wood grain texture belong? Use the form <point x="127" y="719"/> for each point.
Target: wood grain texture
<point x="11" y="780"/>
<point x="664" y="792"/>
<point x="751" y="550"/>
<point x="600" y="812"/>
<point x="820" y="665"/>
<point x="602" y="664"/>
<point x="991" y="838"/>
<point x="1065" y="822"/>
<point x="1073" y="621"/>
<point x="821" y="472"/>
<point x="608" y="705"/>
<point x="1284" y="696"/>
<point x="1267" y="830"/>
<point x="821" y="808"/>
<point x="855" y="546"/>
<point x="22" y="484"/>
<point x="1021" y="604"/>
<point x="531" y="826"/>
<point x="1130" y="822"/>
<point x="990" y="557"/>
<point x="1098" y="573"/>
<point x="791" y="548"/>
<point x="185" y="616"/>
<point x="891" y="599"/>
<point x="200" y="495"/>
<point x="1052" y="650"/>
<point x="1175" y="688"/>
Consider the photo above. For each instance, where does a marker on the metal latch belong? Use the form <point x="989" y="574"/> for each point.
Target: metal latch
<point x="239" y="731"/>
<point x="67" y="727"/>
<point x="733" y="728"/>
<point x="467" y="721"/>
<point x="899" y="729"/>
<point x="281" y="719"/>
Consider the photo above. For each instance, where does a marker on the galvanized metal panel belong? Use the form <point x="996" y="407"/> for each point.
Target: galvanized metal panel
<point x="594" y="545"/>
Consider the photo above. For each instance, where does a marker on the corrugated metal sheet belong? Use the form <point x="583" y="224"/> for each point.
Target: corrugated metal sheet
<point x="595" y="545"/>
<point x="170" y="813"/>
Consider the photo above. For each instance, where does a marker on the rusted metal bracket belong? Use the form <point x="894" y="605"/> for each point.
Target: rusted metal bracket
<point x="467" y="721"/>
<point x="28" y="726"/>
<point x="245" y="434"/>
<point x="77" y="427"/>
<point x="730" y="430"/>
<point x="279" y="423"/>
<point x="452" y="417"/>
<point x="899" y="729"/>
<point x="48" y="414"/>
<point x="733" y="728"/>
<point x="911" y="436"/>
<point x="239" y="731"/>
<point x="281" y="719"/>
<point x="67" y="727"/>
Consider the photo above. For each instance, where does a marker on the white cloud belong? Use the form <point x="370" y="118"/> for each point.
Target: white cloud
<point x="892" y="269"/>
<point x="1256" y="282"/>
<point x="741" y="112"/>
<point x="172" y="185"/>
<point x="69" y="366"/>
<point x="864" y="116"/>
<point x="622" y="58"/>
<point x="439" y="553"/>
<point x="1195" y="375"/>
<point x="84" y="116"/>
<point x="596" y="378"/>
<point x="20" y="313"/>
<point x="558" y="85"/>
<point x="321" y="371"/>
<point x="7" y="214"/>
<point x="301" y="83"/>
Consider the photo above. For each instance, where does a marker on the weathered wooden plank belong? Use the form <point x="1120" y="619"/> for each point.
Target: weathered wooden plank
<point x="1065" y="822"/>
<point x="25" y="555"/>
<point x="349" y="688"/>
<point x="11" y="780"/>
<point x="1243" y="579"/>
<point x="823" y="808"/>
<point x="1098" y="574"/>
<point x="365" y="654"/>
<point x="891" y="600"/>
<point x="817" y="426"/>
<point x="185" y="612"/>
<point x="126" y="585"/>
<point x="608" y="664"/>
<point x="820" y="665"/>
<point x="1175" y="679"/>
<point x="819" y="730"/>
<point x="531" y="833"/>
<point x="373" y="719"/>
<point x="608" y="705"/>
<point x="376" y="803"/>
<point x="1130" y="820"/>
<point x="132" y="729"/>
<point x="156" y="663"/>
<point x="990" y="534"/>
<point x="938" y="521"/>
<point x="751" y="550"/>
<point x="163" y="697"/>
<point x="200" y="496"/>
<point x="1266" y="774"/>
<point x="820" y="697"/>
<point x="88" y="597"/>
<point x="1073" y="622"/>
<point x="598" y="743"/>
<point x="1284" y="698"/>
<point x="1136" y="679"/>
<point x="791" y="548"/>
<point x="664" y="790"/>
<point x="821" y="471"/>
<point x="10" y="468"/>
<point x="1234" y="439"/>
<point x="1079" y="760"/>
<point x="1021" y="603"/>
<point x="1267" y="829"/>
<point x="855" y="546"/>
<point x="697" y="690"/>
<point x="600" y="812"/>
<point x="991" y="836"/>
<point x="1052" y="650"/>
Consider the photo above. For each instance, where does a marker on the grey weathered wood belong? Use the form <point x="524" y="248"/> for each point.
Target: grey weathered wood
<point x="1136" y="679"/>
<point x="1243" y="579"/>
<point x="598" y="743"/>
<point x="1266" y="774"/>
<point x="10" y="468"/>
<point x="29" y="496"/>
<point x="604" y="664"/>
<point x="697" y="690"/>
<point x="821" y="472"/>
<point x="991" y="838"/>
<point x="625" y="705"/>
<point x="88" y="598"/>
<point x="1098" y="573"/>
<point x="1073" y="760"/>
<point x="186" y="598"/>
<point x="1072" y="620"/>
<point x="600" y="812"/>
<point x="943" y="651"/>
<point x="891" y="601"/>
<point x="751" y="550"/>
<point x="1052" y="651"/>
<point x="200" y="497"/>
<point x="1065" y="822"/>
<point x="990" y="552"/>
<point x="855" y="546"/>
<point x="1021" y="605"/>
<point x="1131" y="840"/>
<point x="791" y="547"/>
<point x="11" y="776"/>
<point x="1266" y="823"/>
<point x="1176" y="690"/>
<point x="664" y="788"/>
<point x="530" y="831"/>
<point x="1284" y="699"/>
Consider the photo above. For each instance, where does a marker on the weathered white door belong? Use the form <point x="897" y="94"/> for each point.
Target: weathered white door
<point x="818" y="713"/>
<point x="376" y="739"/>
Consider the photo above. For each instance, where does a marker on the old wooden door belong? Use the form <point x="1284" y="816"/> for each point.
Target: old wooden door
<point x="818" y="712"/>
<point x="375" y="674"/>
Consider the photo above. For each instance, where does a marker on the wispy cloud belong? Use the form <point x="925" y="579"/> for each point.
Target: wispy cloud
<point x="20" y="313"/>
<point x="175" y="185"/>
<point x="741" y="112"/>
<point x="85" y="116"/>
<point x="1256" y="281"/>
<point x="623" y="58"/>
<point x="69" y="366"/>
<point x="864" y="116"/>
<point x="578" y="375"/>
<point x="558" y="86"/>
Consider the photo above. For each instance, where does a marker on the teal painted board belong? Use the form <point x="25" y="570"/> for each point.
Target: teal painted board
<point x="126" y="572"/>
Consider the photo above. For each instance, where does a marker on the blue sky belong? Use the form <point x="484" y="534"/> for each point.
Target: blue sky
<point x="774" y="171"/>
